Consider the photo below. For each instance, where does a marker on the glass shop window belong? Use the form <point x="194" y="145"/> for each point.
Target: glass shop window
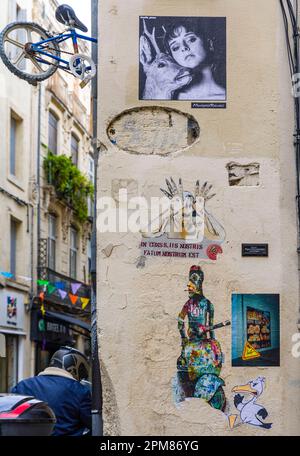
<point x="9" y="364"/>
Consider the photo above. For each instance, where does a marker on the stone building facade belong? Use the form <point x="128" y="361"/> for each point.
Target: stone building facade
<point x="17" y="213"/>
<point x="64" y="241"/>
<point x="236" y="133"/>
<point x="42" y="238"/>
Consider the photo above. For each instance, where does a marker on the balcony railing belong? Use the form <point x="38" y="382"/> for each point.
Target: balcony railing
<point x="62" y="282"/>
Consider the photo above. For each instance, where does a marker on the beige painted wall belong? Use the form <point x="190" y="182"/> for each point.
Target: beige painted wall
<point x="137" y="308"/>
<point x="18" y="96"/>
<point x="15" y="97"/>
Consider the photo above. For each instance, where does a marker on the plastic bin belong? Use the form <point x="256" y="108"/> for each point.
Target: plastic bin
<point x="25" y="416"/>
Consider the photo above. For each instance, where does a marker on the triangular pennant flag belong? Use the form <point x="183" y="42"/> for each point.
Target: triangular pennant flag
<point x="60" y="285"/>
<point x="43" y="282"/>
<point x="8" y="275"/>
<point x="249" y="352"/>
<point x="62" y="293"/>
<point x="50" y="288"/>
<point x="85" y="302"/>
<point x="75" y="287"/>
<point x="73" y="298"/>
<point x="42" y="296"/>
<point x="43" y="309"/>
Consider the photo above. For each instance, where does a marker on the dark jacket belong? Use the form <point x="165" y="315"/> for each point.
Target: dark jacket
<point x="69" y="400"/>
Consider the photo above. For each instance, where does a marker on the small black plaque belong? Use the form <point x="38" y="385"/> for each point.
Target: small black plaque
<point x="255" y="250"/>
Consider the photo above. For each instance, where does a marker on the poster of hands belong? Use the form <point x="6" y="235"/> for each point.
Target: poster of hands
<point x="182" y="58"/>
<point x="184" y="228"/>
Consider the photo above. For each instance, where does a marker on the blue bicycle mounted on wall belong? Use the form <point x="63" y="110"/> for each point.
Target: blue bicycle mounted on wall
<point x="32" y="53"/>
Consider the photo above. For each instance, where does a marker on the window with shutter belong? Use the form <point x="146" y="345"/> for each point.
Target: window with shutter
<point x="52" y="241"/>
<point x="52" y="133"/>
<point x="73" y="253"/>
<point x="74" y="149"/>
<point x="13" y="246"/>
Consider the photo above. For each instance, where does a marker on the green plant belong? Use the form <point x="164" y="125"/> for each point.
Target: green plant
<point x="69" y="183"/>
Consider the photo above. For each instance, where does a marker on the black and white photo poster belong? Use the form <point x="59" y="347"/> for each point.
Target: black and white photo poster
<point x="182" y="58"/>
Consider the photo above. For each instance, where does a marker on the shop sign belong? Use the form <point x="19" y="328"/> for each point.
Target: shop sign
<point x="11" y="310"/>
<point x="49" y="330"/>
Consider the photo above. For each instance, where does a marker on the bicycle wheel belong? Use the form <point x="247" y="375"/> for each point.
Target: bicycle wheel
<point x="15" y="40"/>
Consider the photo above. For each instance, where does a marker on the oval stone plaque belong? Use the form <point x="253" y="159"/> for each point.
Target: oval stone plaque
<point x="153" y="130"/>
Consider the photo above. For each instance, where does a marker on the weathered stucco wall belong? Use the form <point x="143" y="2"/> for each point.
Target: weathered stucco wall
<point x="139" y="300"/>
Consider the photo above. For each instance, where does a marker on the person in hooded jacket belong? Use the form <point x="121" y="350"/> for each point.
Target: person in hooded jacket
<point x="59" y="385"/>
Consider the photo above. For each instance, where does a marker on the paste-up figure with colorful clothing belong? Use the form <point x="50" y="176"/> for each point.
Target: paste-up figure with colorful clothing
<point x="200" y="362"/>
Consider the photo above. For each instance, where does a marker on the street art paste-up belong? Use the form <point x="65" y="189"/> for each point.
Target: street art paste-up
<point x="11" y="310"/>
<point x="255" y="330"/>
<point x="186" y="229"/>
<point x="243" y="175"/>
<point x="251" y="412"/>
<point x="200" y="362"/>
<point x="182" y="58"/>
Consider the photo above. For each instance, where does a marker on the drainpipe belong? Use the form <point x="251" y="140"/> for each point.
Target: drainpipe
<point x="38" y="176"/>
<point x="97" y="420"/>
<point x="38" y="179"/>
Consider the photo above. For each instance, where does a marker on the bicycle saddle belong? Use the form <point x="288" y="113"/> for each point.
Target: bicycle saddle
<point x="66" y="15"/>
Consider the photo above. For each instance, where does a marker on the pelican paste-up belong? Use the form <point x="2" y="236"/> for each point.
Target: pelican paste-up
<point x="250" y="412"/>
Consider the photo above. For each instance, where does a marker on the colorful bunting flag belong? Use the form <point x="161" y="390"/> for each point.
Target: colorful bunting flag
<point x="73" y="298"/>
<point x="60" y="285"/>
<point x="43" y="282"/>
<point x="75" y="287"/>
<point x="62" y="293"/>
<point x="85" y="302"/>
<point x="50" y="288"/>
<point x="43" y="309"/>
<point x="8" y="275"/>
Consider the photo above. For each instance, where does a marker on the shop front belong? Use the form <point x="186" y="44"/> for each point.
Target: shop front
<point x="53" y="330"/>
<point x="13" y="335"/>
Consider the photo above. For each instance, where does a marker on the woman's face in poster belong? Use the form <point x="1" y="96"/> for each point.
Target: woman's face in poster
<point x="187" y="48"/>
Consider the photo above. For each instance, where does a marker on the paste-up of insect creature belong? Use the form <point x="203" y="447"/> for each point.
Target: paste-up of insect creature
<point x="200" y="362"/>
<point x="251" y="412"/>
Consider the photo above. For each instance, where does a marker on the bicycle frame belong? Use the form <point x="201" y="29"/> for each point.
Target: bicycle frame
<point x="71" y="33"/>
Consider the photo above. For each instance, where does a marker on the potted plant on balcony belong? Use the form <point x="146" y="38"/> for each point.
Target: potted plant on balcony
<point x="71" y="186"/>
